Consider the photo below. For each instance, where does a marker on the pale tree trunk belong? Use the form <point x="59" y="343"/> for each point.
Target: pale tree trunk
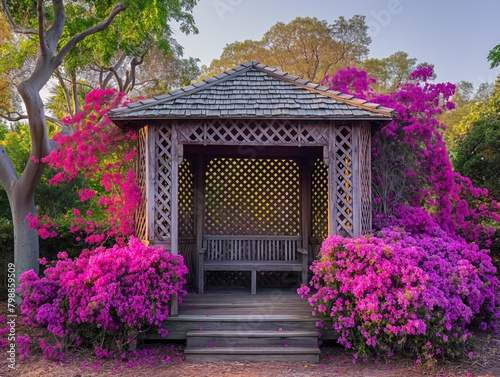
<point x="22" y="198"/>
<point x="26" y="245"/>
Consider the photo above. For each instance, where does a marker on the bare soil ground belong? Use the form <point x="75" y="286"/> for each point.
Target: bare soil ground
<point x="165" y="360"/>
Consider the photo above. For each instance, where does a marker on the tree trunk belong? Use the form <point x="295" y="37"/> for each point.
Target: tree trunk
<point x="26" y="251"/>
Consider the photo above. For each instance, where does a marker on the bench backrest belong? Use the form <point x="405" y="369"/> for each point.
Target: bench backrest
<point x="280" y="248"/>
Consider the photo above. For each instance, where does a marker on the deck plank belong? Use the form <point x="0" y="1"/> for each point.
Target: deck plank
<point x="269" y="310"/>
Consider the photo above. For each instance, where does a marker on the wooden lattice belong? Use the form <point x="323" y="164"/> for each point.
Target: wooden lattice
<point x="140" y="172"/>
<point x="163" y="187"/>
<point x="319" y="200"/>
<point x="253" y="132"/>
<point x="365" y="177"/>
<point x="344" y="182"/>
<point x="186" y="199"/>
<point x="252" y="197"/>
<point x="241" y="279"/>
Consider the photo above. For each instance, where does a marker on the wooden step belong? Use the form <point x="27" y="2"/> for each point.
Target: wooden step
<point x="179" y="326"/>
<point x="242" y="318"/>
<point x="269" y="353"/>
<point x="239" y="337"/>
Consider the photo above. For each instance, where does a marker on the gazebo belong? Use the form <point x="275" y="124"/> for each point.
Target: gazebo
<point x="252" y="156"/>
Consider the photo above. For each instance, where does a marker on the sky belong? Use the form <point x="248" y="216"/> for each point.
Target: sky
<point x="454" y="35"/>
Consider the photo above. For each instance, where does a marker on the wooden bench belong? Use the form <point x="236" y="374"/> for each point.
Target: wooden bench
<point x="251" y="253"/>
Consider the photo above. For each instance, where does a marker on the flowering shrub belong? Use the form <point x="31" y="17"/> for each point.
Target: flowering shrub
<point x="410" y="162"/>
<point x="414" y="291"/>
<point x="108" y="294"/>
<point x="101" y="155"/>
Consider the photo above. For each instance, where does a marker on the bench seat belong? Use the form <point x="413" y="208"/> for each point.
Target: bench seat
<point x="238" y="253"/>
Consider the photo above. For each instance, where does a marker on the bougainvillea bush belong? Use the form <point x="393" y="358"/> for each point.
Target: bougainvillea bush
<point x="410" y="161"/>
<point x="105" y="297"/>
<point x="100" y="157"/>
<point x="403" y="291"/>
<point x="420" y="280"/>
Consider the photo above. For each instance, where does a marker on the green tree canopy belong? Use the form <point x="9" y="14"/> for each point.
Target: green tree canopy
<point x="494" y="56"/>
<point x="306" y="47"/>
<point x="477" y="152"/>
<point x="111" y="57"/>
<point x="390" y="71"/>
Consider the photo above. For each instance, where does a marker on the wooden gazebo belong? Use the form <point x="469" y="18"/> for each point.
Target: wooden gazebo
<point x="252" y="161"/>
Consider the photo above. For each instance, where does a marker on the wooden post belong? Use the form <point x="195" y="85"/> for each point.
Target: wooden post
<point x="305" y="185"/>
<point x="150" y="182"/>
<point x="199" y="208"/>
<point x="332" y="180"/>
<point x="174" y="210"/>
<point x="356" y="180"/>
<point x="367" y="165"/>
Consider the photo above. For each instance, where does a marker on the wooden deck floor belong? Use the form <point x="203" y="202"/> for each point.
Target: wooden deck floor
<point x="223" y="309"/>
<point x="267" y="301"/>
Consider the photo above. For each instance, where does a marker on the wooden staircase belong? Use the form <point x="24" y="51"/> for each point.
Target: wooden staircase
<point x="273" y="325"/>
<point x="280" y="342"/>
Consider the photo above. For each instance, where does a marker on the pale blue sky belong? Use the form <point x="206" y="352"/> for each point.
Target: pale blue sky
<point x="454" y="35"/>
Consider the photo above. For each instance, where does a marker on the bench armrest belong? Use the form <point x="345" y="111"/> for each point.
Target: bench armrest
<point x="304" y="254"/>
<point x="201" y="268"/>
<point x="302" y="251"/>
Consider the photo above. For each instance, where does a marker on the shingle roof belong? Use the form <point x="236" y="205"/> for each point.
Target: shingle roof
<point x="252" y="90"/>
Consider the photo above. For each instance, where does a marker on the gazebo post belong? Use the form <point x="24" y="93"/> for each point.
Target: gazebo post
<point x="306" y="203"/>
<point x="199" y="206"/>
<point x="174" y="235"/>
<point x="150" y="184"/>
<point x="356" y="181"/>
<point x="329" y="159"/>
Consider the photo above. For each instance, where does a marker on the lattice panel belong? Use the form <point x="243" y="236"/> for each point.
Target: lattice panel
<point x="163" y="187"/>
<point x="344" y="189"/>
<point x="253" y="132"/>
<point x="319" y="200"/>
<point x="252" y="197"/>
<point x="241" y="279"/>
<point x="140" y="173"/>
<point x="186" y="199"/>
<point x="365" y="177"/>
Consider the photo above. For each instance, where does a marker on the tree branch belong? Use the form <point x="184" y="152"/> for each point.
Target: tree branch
<point x="117" y="78"/>
<point x="16" y="27"/>
<point x="130" y="82"/>
<point x="41" y="31"/>
<point x="55" y="120"/>
<point x="76" y="101"/>
<point x="11" y="118"/>
<point x="8" y="174"/>
<point x="110" y="75"/>
<point x="119" y="7"/>
<point x="65" y="90"/>
<point x="54" y="33"/>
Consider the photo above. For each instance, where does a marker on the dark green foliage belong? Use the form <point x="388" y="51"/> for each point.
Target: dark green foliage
<point x="478" y="155"/>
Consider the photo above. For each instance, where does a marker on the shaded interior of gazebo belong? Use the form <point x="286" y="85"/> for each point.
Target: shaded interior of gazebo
<point x="224" y="182"/>
<point x="252" y="152"/>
